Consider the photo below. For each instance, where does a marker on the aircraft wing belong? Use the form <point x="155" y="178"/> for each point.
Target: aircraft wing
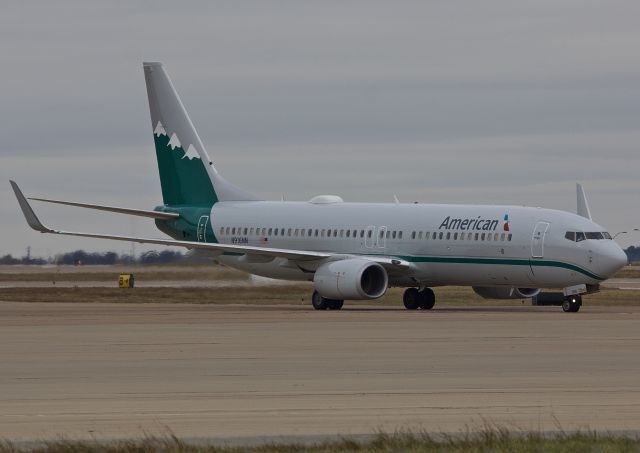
<point x="294" y="255"/>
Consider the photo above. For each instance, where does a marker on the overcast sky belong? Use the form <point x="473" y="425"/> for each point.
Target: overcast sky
<point x="433" y="101"/>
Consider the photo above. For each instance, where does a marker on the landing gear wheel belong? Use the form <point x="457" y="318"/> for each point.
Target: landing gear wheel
<point x="334" y="304"/>
<point x="572" y="304"/>
<point x="411" y="299"/>
<point x="427" y="299"/>
<point x="319" y="302"/>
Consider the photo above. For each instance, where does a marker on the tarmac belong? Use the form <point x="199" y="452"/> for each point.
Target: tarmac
<point x="105" y="371"/>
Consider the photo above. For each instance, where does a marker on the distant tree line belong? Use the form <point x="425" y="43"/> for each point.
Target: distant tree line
<point x="79" y="257"/>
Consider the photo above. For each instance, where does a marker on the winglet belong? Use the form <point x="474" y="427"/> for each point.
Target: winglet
<point x="31" y="217"/>
<point x="583" y="205"/>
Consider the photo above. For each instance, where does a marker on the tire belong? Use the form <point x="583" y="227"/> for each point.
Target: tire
<point x="334" y="304"/>
<point x="572" y="304"/>
<point x="427" y="299"/>
<point x="319" y="302"/>
<point x="411" y="299"/>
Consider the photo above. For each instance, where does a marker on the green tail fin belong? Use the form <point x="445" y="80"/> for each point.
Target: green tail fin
<point x="187" y="175"/>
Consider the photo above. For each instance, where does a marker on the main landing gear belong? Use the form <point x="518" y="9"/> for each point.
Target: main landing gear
<point x="322" y="303"/>
<point x="414" y="299"/>
<point x="572" y="304"/>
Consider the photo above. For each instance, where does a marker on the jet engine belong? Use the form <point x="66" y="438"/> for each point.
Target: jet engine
<point x="490" y="292"/>
<point x="353" y="278"/>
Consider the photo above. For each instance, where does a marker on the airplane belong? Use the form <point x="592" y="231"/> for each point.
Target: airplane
<point x="356" y="251"/>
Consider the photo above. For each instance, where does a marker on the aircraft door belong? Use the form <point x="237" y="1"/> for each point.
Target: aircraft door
<point x="202" y="228"/>
<point x="537" y="240"/>
<point x="381" y="237"/>
<point x="369" y="236"/>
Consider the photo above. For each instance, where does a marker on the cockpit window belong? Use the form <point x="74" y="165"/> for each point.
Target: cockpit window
<point x="578" y="236"/>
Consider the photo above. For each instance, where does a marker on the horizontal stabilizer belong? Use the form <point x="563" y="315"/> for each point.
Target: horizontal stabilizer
<point x="128" y="211"/>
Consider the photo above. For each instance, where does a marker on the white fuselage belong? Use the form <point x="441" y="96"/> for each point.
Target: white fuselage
<point x="444" y="244"/>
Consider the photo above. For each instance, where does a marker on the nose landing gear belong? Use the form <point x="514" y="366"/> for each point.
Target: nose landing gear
<point x="572" y="304"/>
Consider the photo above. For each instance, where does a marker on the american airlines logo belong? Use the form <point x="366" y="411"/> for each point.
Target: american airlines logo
<point x="477" y="224"/>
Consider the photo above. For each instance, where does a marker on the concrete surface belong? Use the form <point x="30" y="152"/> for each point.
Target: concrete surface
<point x="204" y="371"/>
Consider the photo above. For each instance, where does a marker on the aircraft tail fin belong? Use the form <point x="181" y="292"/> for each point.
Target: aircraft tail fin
<point x="187" y="174"/>
<point x="583" y="204"/>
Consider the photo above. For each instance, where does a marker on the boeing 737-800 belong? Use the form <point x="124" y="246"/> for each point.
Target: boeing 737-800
<point x="359" y="250"/>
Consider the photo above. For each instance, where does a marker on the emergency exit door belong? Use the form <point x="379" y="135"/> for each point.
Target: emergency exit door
<point x="202" y="228"/>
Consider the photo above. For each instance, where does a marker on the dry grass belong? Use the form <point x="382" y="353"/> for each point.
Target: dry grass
<point x="110" y="273"/>
<point x="490" y="440"/>
<point x="294" y="294"/>
<point x="631" y="271"/>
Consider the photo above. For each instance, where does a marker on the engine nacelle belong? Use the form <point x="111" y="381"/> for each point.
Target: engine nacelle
<point x="353" y="278"/>
<point x="491" y="292"/>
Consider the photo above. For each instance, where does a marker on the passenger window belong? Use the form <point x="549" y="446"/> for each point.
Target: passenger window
<point x="434" y="235"/>
<point x="441" y="235"/>
<point x="502" y="237"/>
<point x="509" y="237"/>
<point x="399" y="234"/>
<point x="275" y="232"/>
<point x="251" y="231"/>
<point x="341" y="233"/>
<point x="369" y="233"/>
<point x="348" y="233"/>
<point x="362" y="233"/>
<point x="488" y="236"/>
<point x="335" y="233"/>
<point x="413" y="235"/>
<point x="420" y="235"/>
<point x="289" y="232"/>
<point x="393" y="235"/>
<point x="448" y="236"/>
<point x="455" y="236"/>
<point x="309" y="232"/>
<point x="477" y="236"/>
<point x="246" y="230"/>
<point x="388" y="234"/>
<point x="317" y="233"/>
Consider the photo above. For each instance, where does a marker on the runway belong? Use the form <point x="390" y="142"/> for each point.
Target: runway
<point x="217" y="372"/>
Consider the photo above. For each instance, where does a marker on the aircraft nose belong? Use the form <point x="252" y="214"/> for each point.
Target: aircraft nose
<point x="614" y="259"/>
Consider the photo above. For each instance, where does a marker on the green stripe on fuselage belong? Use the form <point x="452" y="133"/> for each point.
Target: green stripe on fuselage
<point x="501" y="261"/>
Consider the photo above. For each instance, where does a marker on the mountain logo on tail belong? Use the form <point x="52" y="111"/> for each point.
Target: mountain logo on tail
<point x="174" y="143"/>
